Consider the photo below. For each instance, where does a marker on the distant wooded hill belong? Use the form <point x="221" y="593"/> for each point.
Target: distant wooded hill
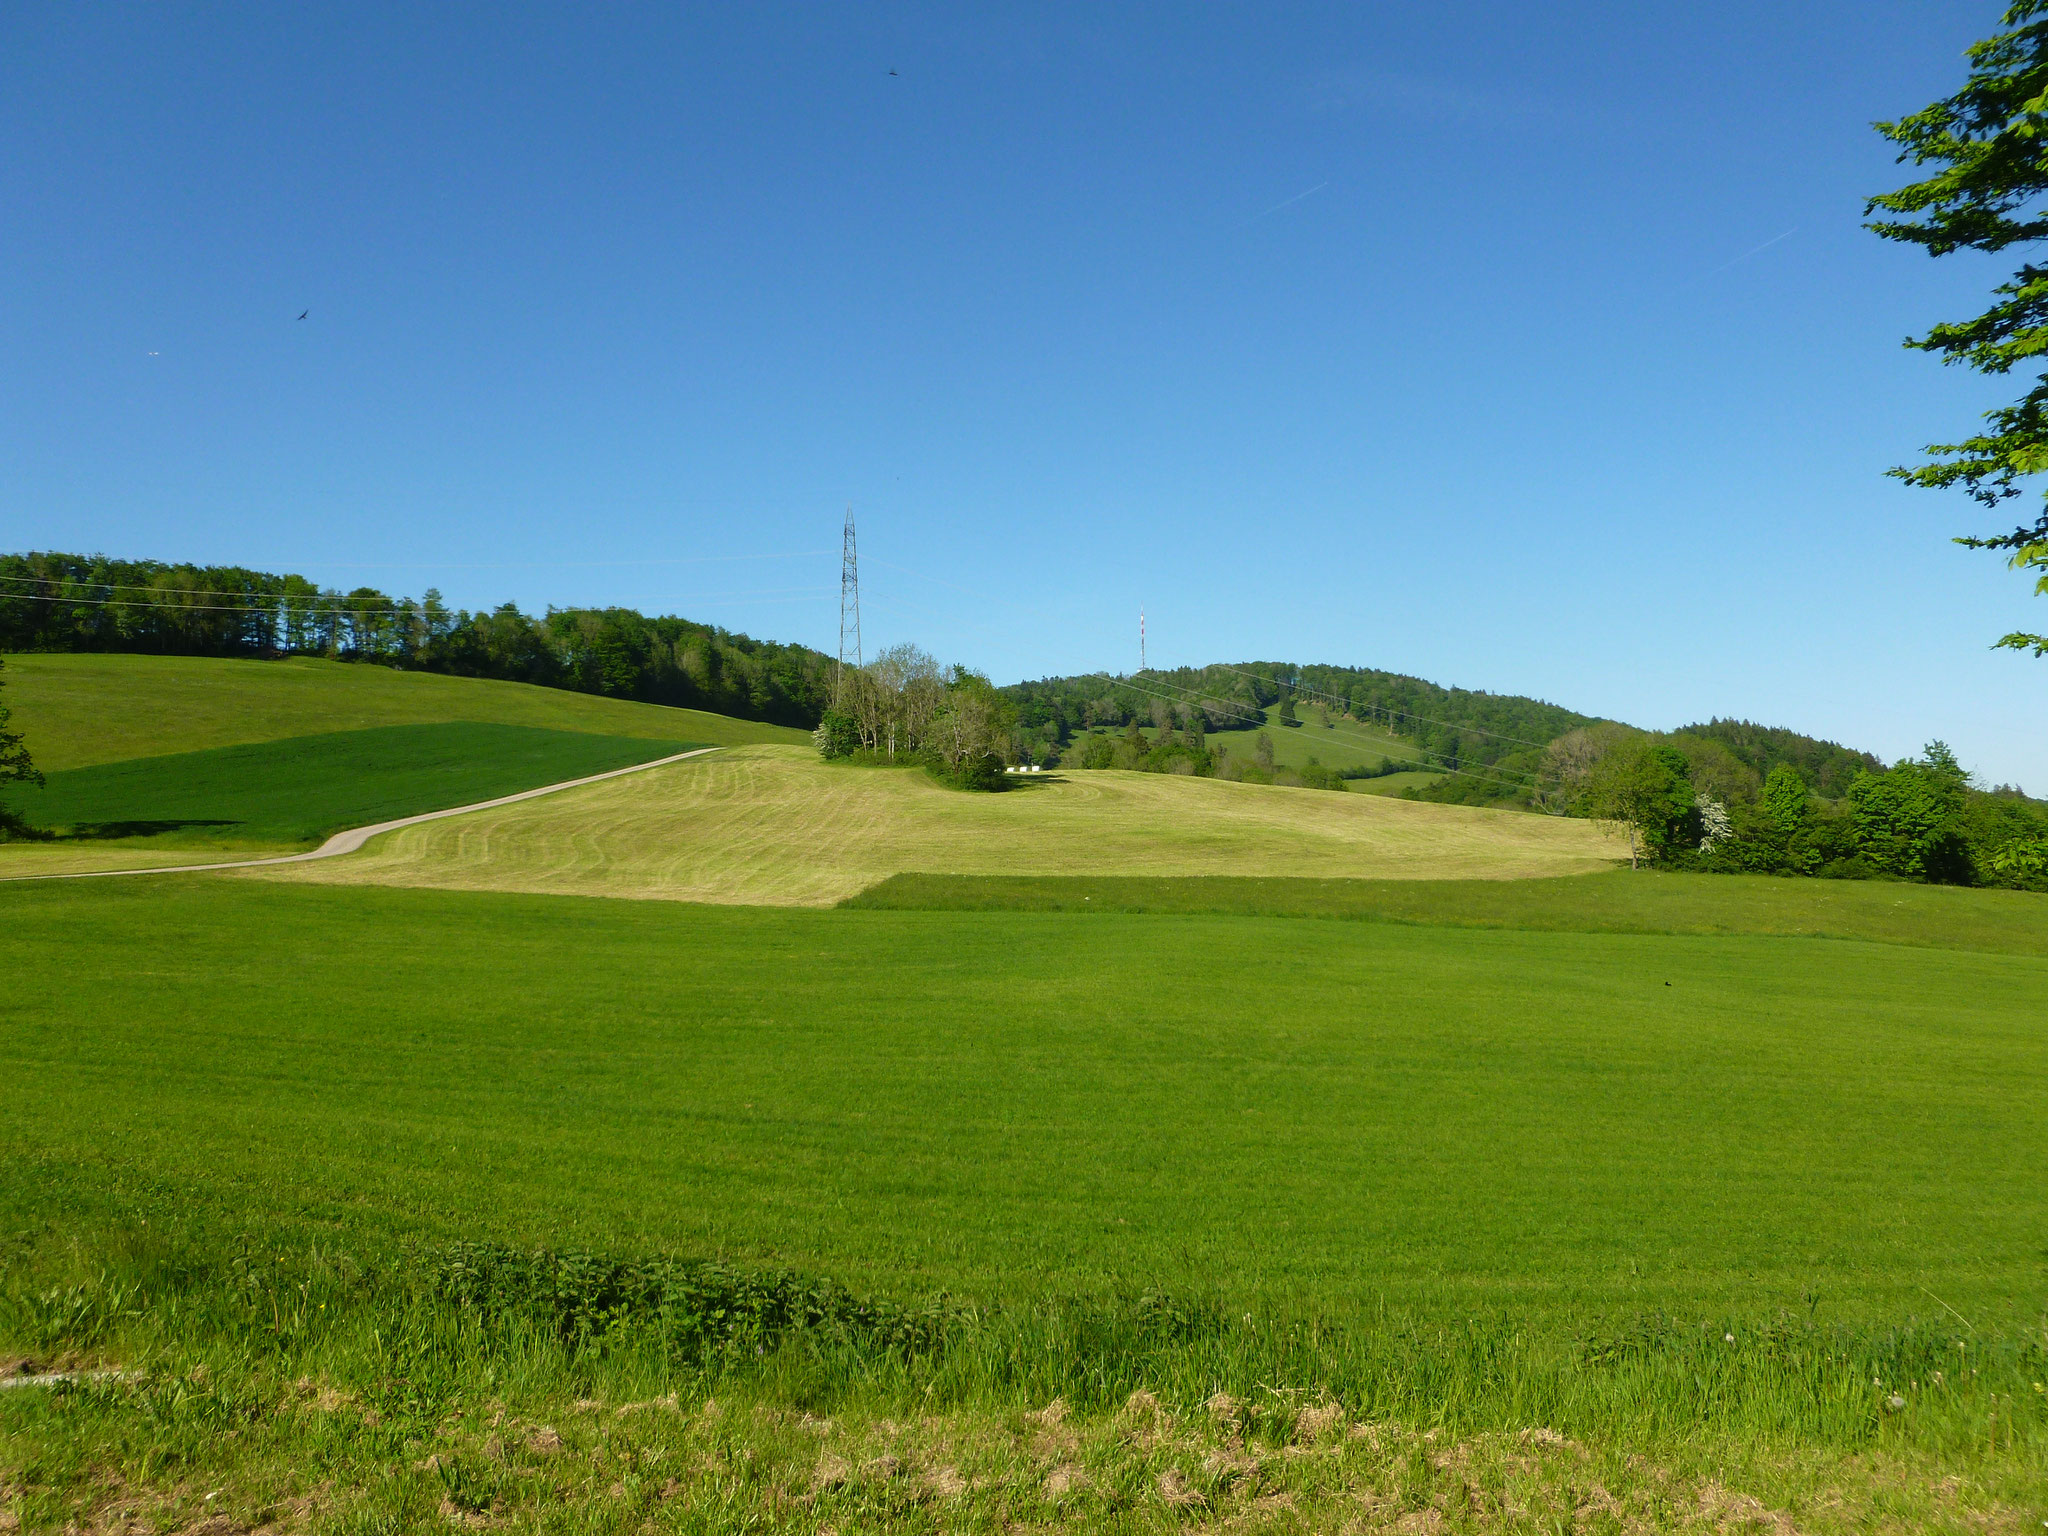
<point x="1490" y="746"/>
<point x="59" y="602"/>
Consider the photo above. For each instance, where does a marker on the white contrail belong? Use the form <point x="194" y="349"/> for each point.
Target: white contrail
<point x="1294" y="199"/>
<point x="1749" y="253"/>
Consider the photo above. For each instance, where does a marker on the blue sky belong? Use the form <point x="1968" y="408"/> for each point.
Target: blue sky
<point x="1527" y="348"/>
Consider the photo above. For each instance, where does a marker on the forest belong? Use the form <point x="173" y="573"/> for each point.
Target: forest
<point x="59" y="602"/>
<point x="1451" y="728"/>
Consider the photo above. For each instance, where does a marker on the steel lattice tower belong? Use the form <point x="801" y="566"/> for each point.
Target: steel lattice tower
<point x="849" y="602"/>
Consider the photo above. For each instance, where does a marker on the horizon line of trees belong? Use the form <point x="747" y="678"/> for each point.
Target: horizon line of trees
<point x="90" y="603"/>
<point x="1452" y="728"/>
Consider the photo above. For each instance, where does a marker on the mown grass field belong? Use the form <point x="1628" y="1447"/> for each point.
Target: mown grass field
<point x="773" y="825"/>
<point x="80" y="710"/>
<point x="1689" y="1206"/>
<point x="299" y="790"/>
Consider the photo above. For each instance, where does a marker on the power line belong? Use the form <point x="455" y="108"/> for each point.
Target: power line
<point x="849" y="604"/>
<point x="502" y="566"/>
<point x="321" y="603"/>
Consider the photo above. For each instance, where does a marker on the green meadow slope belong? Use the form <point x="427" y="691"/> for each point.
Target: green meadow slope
<point x="1343" y="743"/>
<point x="154" y="760"/>
<point x="303" y="788"/>
<point x="80" y="710"/>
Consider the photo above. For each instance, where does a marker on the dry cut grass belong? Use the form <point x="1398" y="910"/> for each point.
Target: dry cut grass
<point x="772" y="825"/>
<point x="27" y="860"/>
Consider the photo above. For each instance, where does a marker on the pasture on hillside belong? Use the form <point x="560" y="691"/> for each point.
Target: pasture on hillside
<point x="296" y="791"/>
<point x="775" y="825"/>
<point x="149" y="758"/>
<point x="1343" y="743"/>
<point x="78" y="710"/>
<point x="1712" y="1196"/>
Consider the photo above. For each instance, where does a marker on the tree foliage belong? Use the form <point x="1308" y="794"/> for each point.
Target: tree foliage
<point x="1647" y="786"/>
<point x="1989" y="191"/>
<point x="1496" y="737"/>
<point x="903" y="707"/>
<point x="16" y="767"/>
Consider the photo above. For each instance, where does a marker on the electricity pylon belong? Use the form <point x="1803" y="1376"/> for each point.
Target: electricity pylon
<point x="849" y="609"/>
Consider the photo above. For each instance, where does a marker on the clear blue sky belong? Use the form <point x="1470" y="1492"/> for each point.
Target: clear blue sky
<point x="1531" y="348"/>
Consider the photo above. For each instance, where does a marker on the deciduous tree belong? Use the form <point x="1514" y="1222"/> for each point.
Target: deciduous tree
<point x="1989" y="142"/>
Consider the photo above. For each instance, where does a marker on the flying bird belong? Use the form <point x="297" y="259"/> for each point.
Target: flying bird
<point x="893" y="72"/>
<point x="304" y="312"/>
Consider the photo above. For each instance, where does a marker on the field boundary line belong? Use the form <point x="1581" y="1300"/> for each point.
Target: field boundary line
<point x="354" y="838"/>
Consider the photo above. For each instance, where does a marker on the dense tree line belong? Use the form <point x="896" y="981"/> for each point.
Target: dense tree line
<point x="57" y="602"/>
<point x="1828" y="767"/>
<point x="1451" y="728"/>
<point x="1690" y="803"/>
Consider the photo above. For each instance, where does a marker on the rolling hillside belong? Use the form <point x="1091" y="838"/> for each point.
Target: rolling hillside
<point x="304" y="788"/>
<point x="154" y="760"/>
<point x="775" y="826"/>
<point x="77" y="710"/>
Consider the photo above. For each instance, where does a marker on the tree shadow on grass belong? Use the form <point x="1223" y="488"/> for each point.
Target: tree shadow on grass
<point x="103" y="831"/>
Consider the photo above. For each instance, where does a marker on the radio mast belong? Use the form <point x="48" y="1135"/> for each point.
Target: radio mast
<point x="1141" y="639"/>
<point x="849" y="608"/>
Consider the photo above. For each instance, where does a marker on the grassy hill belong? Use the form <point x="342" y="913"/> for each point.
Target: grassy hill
<point x="1343" y="743"/>
<point x="775" y="825"/>
<point x="80" y="710"/>
<point x="303" y="788"/>
<point x="153" y="759"/>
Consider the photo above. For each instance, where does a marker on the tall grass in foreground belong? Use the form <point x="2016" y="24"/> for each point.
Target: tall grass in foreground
<point x="412" y="1334"/>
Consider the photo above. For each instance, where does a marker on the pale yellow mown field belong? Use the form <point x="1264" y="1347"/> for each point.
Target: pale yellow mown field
<point x="20" y="860"/>
<point x="773" y="825"/>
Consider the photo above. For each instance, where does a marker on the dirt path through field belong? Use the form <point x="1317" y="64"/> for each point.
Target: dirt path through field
<point x="355" y="837"/>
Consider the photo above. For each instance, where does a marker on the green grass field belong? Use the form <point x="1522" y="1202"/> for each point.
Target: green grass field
<point x="1341" y="744"/>
<point x="1074" y="1172"/>
<point x="1622" y="901"/>
<point x="76" y="711"/>
<point x="1354" y="1207"/>
<point x="300" y="789"/>
<point x="1568" y="1123"/>
<point x="1344" y="743"/>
